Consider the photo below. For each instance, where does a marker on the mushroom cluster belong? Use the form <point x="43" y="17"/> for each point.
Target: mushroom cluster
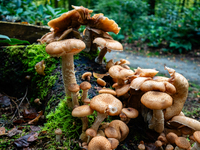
<point x="159" y="100"/>
<point x="65" y="40"/>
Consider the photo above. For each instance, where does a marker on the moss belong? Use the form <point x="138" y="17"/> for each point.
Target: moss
<point x="20" y="61"/>
<point x="70" y="126"/>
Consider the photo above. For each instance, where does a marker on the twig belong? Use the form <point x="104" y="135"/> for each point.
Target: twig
<point x="20" y="103"/>
<point x="16" y="107"/>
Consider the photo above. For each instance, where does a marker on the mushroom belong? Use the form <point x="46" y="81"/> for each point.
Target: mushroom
<point x="82" y="112"/>
<point x="114" y="143"/>
<point x="39" y="68"/>
<point x="157" y="101"/>
<point x="99" y="143"/>
<point x="171" y="137"/>
<point x="145" y="72"/>
<point x="107" y="90"/>
<point x="90" y="134"/>
<point x="186" y="121"/>
<point x="182" y="143"/>
<point x="122" y="90"/>
<point x="106" y="45"/>
<point x="179" y="98"/>
<point x="120" y="73"/>
<point x="74" y="88"/>
<point x="141" y="147"/>
<point x="58" y="133"/>
<point x="86" y="76"/>
<point x="158" y="144"/>
<point x="169" y="147"/>
<point x="109" y="64"/>
<point x="130" y="113"/>
<point x="105" y="104"/>
<point x="101" y="82"/>
<point x="137" y="82"/>
<point x="196" y="145"/>
<point x="66" y="49"/>
<point x="37" y="101"/>
<point x="85" y="86"/>
<point x="119" y="127"/>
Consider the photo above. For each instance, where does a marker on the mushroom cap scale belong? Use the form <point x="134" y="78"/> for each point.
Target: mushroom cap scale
<point x="82" y="111"/>
<point x="60" y="48"/>
<point x="108" y="43"/>
<point x="106" y="103"/>
<point x="156" y="100"/>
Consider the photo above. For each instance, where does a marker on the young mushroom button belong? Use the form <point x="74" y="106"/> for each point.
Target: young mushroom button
<point x="66" y="49"/>
<point x="196" y="145"/>
<point x="74" y="88"/>
<point x="58" y="133"/>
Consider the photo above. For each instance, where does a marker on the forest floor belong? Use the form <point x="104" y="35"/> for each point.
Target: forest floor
<point x="137" y="58"/>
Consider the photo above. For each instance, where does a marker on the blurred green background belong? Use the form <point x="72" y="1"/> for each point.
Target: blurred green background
<point x="172" y="25"/>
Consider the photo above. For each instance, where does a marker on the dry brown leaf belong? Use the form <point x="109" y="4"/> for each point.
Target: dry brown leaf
<point x="97" y="75"/>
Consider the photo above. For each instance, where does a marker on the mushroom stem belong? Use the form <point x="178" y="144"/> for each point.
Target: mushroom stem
<point x="85" y="123"/>
<point x="84" y="96"/>
<point x="99" y="119"/>
<point x="157" y="121"/>
<point x="68" y="74"/>
<point x="102" y="53"/>
<point x="74" y="98"/>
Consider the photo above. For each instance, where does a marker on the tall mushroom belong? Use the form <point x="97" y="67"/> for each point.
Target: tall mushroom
<point x="66" y="49"/>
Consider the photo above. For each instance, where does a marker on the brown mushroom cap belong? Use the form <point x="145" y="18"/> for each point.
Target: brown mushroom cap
<point x="196" y="135"/>
<point x="189" y="122"/>
<point x="137" y="82"/>
<point x="101" y="82"/>
<point x="106" y="103"/>
<point x="120" y="127"/>
<point x="108" y="43"/>
<point x="118" y="71"/>
<point x="86" y="74"/>
<point x="182" y="142"/>
<point x="171" y="137"/>
<point x="111" y="132"/>
<point x="99" y="143"/>
<point x="85" y="85"/>
<point x="130" y="112"/>
<point x="152" y="85"/>
<point x="169" y="147"/>
<point x="122" y="90"/>
<point x="91" y="132"/>
<point x="114" y="143"/>
<point x="145" y="72"/>
<point x="98" y="21"/>
<point x="156" y="100"/>
<point x="60" y="48"/>
<point x="70" y="19"/>
<point x="107" y="90"/>
<point x="82" y="111"/>
<point x="73" y="87"/>
<point x="58" y="131"/>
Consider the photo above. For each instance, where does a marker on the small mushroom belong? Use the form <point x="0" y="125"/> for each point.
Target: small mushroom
<point x="99" y="143"/>
<point x="121" y="128"/>
<point x="58" y="133"/>
<point x="182" y="143"/>
<point x="101" y="82"/>
<point x="109" y="64"/>
<point x="141" y="147"/>
<point x="37" y="101"/>
<point x="169" y="147"/>
<point x="114" y="143"/>
<point x="158" y="144"/>
<point x="157" y="101"/>
<point x="106" y="45"/>
<point x="105" y="104"/>
<point x="39" y="68"/>
<point x="145" y="72"/>
<point x="74" y="88"/>
<point x="107" y="90"/>
<point x="130" y="113"/>
<point x="86" y="76"/>
<point x="85" y="86"/>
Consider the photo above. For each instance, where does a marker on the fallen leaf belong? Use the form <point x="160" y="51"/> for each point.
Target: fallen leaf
<point x="13" y="132"/>
<point x="33" y="137"/>
<point x="22" y="141"/>
<point x="29" y="113"/>
<point x="19" y="121"/>
<point x="34" y="121"/>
